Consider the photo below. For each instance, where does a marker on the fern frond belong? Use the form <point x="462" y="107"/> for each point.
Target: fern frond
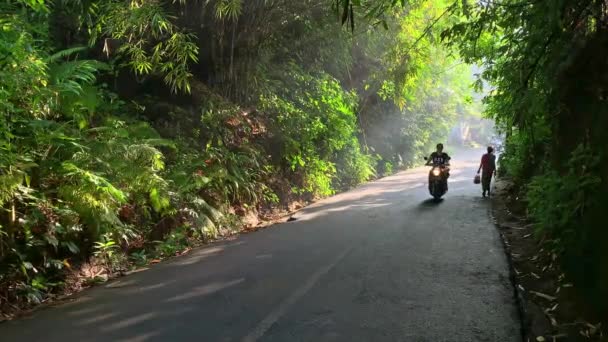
<point x="71" y="76"/>
<point x="95" y="184"/>
<point x="64" y="53"/>
<point x="142" y="154"/>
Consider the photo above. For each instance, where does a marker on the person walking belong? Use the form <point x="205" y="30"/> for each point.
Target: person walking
<point x="487" y="168"/>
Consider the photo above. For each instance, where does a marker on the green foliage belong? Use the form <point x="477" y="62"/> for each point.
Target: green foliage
<point x="106" y="250"/>
<point x="567" y="208"/>
<point x="318" y="126"/>
<point x="150" y="41"/>
<point x="416" y="89"/>
<point x="386" y="168"/>
<point x="372" y="9"/>
<point x="559" y="202"/>
<point x="139" y="258"/>
<point x="353" y="166"/>
<point x="176" y="241"/>
<point x="524" y="154"/>
<point x="76" y="180"/>
<point x="228" y="9"/>
<point x="228" y="170"/>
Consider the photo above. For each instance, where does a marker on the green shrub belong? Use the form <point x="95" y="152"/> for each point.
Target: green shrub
<point x="569" y="209"/>
<point x="175" y="242"/>
<point x="316" y="127"/>
<point x="558" y="203"/>
<point x="354" y="167"/>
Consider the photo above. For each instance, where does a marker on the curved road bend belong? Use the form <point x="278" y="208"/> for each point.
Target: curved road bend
<point x="379" y="263"/>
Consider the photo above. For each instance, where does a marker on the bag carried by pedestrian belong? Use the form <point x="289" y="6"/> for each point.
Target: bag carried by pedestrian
<point x="477" y="179"/>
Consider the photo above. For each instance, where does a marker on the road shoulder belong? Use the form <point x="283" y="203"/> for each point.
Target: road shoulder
<point x="549" y="305"/>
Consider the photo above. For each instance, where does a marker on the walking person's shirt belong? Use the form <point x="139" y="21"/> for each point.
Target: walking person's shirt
<point x="488" y="163"/>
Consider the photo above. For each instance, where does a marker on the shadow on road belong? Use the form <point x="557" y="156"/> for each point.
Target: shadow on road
<point x="430" y="203"/>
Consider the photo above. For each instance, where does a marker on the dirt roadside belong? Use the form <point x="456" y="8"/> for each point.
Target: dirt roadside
<point x="550" y="307"/>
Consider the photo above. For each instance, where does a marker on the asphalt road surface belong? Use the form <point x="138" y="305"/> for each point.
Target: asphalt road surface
<point x="379" y="263"/>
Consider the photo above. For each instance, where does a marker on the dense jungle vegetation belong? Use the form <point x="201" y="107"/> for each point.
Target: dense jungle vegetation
<point x="132" y="129"/>
<point x="546" y="64"/>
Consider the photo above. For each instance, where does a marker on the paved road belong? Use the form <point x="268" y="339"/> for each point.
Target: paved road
<point x="379" y="263"/>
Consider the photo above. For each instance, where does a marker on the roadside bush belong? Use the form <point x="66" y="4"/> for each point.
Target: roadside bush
<point x="569" y="210"/>
<point x="518" y="161"/>
<point x="316" y="126"/>
<point x="354" y="167"/>
<point x="558" y="203"/>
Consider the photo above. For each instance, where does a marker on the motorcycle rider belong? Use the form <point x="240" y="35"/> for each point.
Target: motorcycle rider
<point x="438" y="158"/>
<point x="441" y="159"/>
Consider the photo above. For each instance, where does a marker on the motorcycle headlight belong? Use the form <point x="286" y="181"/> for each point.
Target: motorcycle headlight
<point x="436" y="172"/>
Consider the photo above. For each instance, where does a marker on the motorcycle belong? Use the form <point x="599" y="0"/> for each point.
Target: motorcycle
<point x="438" y="180"/>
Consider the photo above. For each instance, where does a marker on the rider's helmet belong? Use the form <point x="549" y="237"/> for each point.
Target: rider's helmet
<point x="440" y="147"/>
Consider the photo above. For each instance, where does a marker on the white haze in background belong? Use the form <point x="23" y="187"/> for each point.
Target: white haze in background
<point x="473" y="132"/>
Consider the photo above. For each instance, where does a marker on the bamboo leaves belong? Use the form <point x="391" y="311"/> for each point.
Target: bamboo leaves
<point x="230" y="9"/>
<point x="150" y="41"/>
